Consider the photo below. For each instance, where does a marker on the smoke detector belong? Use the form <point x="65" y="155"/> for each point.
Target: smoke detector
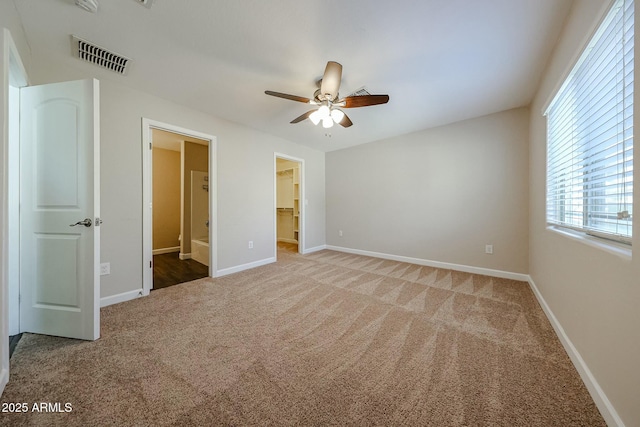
<point x="100" y="56"/>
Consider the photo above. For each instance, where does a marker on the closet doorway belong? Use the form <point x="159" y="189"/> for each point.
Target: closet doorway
<point x="289" y="203"/>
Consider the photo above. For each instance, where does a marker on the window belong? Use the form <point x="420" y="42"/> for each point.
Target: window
<point x="590" y="135"/>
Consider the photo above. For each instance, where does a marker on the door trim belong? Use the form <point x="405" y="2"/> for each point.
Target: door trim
<point x="147" y="192"/>
<point x="303" y="205"/>
<point x="14" y="74"/>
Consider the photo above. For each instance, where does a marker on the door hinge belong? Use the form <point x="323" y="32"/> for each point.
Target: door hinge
<point x="150" y="264"/>
<point x="150" y="146"/>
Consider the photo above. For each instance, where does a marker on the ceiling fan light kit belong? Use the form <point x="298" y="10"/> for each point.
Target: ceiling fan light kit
<point x="314" y="117"/>
<point x="337" y="115"/>
<point x="327" y="97"/>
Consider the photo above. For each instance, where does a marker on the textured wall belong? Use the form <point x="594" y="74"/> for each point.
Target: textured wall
<point x="440" y="195"/>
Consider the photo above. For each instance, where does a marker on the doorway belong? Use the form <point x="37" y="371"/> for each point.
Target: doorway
<point x="179" y="190"/>
<point x="180" y="208"/>
<point x="289" y="204"/>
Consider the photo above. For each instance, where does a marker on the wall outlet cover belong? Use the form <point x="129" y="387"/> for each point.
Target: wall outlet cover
<point x="105" y="268"/>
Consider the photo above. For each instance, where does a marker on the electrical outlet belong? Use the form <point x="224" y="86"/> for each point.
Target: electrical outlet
<point x="250" y="244"/>
<point x="340" y="233"/>
<point x="488" y="249"/>
<point x="105" y="268"/>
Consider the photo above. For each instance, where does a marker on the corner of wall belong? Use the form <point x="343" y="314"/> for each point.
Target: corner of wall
<point x="605" y="407"/>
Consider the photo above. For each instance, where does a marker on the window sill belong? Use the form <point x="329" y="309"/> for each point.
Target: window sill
<point x="621" y="250"/>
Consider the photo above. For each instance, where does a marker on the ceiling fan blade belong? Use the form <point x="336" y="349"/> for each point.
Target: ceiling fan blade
<point x="287" y="96"/>
<point x="345" y="122"/>
<point x="302" y="117"/>
<point x="364" y="101"/>
<point x="331" y="80"/>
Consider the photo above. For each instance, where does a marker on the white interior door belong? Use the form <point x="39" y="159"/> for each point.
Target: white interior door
<point x="60" y="186"/>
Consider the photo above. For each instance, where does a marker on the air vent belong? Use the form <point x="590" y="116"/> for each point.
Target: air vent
<point x="360" y="92"/>
<point x="97" y="55"/>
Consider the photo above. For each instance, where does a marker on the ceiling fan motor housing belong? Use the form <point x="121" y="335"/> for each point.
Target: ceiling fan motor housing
<point x="327" y="99"/>
<point x="319" y="97"/>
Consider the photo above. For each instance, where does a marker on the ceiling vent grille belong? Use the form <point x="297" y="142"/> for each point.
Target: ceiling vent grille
<point x="360" y="92"/>
<point x="97" y="55"/>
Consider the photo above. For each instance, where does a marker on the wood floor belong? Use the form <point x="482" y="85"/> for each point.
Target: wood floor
<point x="169" y="270"/>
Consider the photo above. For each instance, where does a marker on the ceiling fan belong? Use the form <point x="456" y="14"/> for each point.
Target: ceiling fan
<point x="327" y="98"/>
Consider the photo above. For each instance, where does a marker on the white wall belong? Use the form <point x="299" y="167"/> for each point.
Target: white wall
<point x="10" y="19"/>
<point x="594" y="294"/>
<point x="244" y="181"/>
<point x="439" y="194"/>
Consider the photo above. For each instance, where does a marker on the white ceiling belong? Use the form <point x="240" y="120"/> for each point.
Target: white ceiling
<point x="440" y="61"/>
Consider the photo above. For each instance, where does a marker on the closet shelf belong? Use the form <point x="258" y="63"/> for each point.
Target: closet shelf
<point x="288" y="194"/>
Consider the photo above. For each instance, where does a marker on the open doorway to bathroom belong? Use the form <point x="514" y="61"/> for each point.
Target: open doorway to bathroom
<point x="180" y="213"/>
<point x="289" y="205"/>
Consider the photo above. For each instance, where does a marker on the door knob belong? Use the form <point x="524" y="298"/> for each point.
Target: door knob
<point x="86" y="222"/>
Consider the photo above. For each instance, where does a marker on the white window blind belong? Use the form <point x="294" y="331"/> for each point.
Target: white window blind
<point x="590" y="135"/>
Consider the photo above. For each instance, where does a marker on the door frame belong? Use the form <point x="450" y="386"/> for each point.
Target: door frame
<point x="13" y="73"/>
<point x="147" y="195"/>
<point x="302" y="203"/>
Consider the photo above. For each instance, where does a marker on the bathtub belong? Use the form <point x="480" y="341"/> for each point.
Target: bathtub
<point x="200" y="250"/>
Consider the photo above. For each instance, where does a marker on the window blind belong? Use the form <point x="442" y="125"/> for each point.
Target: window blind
<point x="590" y="135"/>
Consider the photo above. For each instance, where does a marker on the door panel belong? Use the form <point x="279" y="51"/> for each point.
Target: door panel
<point x="57" y="254"/>
<point x="59" y="263"/>
<point x="57" y="166"/>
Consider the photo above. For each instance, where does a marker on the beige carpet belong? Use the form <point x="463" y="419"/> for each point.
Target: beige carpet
<point x="322" y="339"/>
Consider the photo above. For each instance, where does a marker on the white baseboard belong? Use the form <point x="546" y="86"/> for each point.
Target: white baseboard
<point x="314" y="249"/>
<point x="436" y="264"/>
<point x="183" y="256"/>
<point x="239" y="268"/>
<point x="125" y="296"/>
<point x="605" y="407"/>
<point x="166" y="250"/>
